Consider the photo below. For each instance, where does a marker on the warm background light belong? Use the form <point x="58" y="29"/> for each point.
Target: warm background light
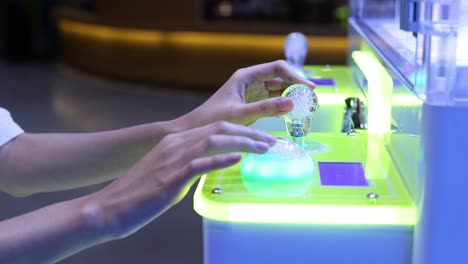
<point x="191" y="58"/>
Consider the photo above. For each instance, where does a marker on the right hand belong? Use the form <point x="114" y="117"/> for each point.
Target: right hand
<point x="165" y="174"/>
<point x="249" y="94"/>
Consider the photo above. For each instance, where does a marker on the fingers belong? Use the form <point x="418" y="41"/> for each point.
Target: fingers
<point x="276" y="85"/>
<point x="272" y="70"/>
<point x="226" y="128"/>
<point x="216" y="144"/>
<point x="275" y="94"/>
<point x="205" y="164"/>
<point x="269" y="107"/>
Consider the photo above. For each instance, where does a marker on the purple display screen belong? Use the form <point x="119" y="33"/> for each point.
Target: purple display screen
<point x="323" y="82"/>
<point x="342" y="174"/>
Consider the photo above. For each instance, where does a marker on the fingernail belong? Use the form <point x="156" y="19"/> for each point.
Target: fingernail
<point x="271" y="139"/>
<point x="234" y="157"/>
<point x="284" y="104"/>
<point x="261" y="146"/>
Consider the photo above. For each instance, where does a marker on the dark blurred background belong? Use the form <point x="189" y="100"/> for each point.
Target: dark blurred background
<point x="27" y="30"/>
<point x="91" y="65"/>
<point x="190" y="43"/>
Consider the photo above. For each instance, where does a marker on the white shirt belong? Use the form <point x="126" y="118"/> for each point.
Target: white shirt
<point x="8" y="128"/>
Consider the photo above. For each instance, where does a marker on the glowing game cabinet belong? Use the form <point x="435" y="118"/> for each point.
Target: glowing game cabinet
<point x="356" y="204"/>
<point x="389" y="187"/>
<point x="355" y="201"/>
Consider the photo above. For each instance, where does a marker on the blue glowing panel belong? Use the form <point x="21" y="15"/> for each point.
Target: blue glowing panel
<point x="342" y="174"/>
<point x="323" y="82"/>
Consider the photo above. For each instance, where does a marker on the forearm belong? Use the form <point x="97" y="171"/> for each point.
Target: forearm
<point x="148" y="189"/>
<point x="52" y="233"/>
<point x="47" y="162"/>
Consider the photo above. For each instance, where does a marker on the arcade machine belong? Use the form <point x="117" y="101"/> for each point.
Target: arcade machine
<point x="370" y="167"/>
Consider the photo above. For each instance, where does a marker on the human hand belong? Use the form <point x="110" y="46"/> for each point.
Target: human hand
<point x="251" y="93"/>
<point x="165" y="174"/>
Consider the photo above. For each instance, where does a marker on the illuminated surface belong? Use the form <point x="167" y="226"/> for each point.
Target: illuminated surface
<point x="285" y="170"/>
<point x="379" y="92"/>
<point x="323" y="82"/>
<point x="342" y="174"/>
<point x="319" y="204"/>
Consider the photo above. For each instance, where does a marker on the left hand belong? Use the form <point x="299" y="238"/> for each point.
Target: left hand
<point x="251" y="93"/>
<point x="164" y="176"/>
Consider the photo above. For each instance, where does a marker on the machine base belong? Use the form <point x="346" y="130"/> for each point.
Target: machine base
<point x="235" y="243"/>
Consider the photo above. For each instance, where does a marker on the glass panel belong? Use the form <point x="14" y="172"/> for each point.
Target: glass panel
<point x="421" y="41"/>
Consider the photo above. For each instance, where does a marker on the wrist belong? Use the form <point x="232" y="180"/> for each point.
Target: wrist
<point x="156" y="131"/>
<point x="180" y="124"/>
<point x="119" y="210"/>
<point x="99" y="220"/>
<point x="198" y="117"/>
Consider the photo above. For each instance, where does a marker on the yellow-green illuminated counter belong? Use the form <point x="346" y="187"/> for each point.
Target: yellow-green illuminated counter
<point x="356" y="210"/>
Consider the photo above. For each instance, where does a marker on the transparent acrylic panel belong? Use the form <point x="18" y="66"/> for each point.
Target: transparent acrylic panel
<point x="422" y="41"/>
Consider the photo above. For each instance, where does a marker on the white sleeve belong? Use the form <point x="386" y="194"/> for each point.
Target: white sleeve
<point x="8" y="128"/>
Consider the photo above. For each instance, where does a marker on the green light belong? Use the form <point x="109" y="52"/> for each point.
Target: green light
<point x="380" y="89"/>
<point x="266" y="175"/>
<point x="317" y="204"/>
<point x="302" y="213"/>
<point x="267" y="169"/>
<point x="285" y="170"/>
